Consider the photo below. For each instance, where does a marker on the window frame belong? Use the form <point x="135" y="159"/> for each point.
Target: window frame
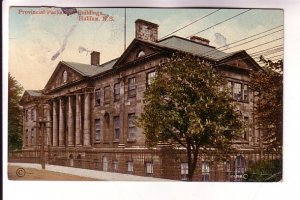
<point x="106" y="95"/>
<point x="149" y="79"/>
<point x="131" y="126"/>
<point x="97" y="130"/>
<point x="32" y="114"/>
<point x="115" y="165"/>
<point x="26" y="115"/>
<point x="117" y="128"/>
<point x="97" y="97"/>
<point x="131" y="87"/>
<point x="149" y="168"/>
<point x="140" y="54"/>
<point x="184" y="171"/>
<point x="246" y="128"/>
<point x="117" y="96"/>
<point x="33" y="142"/>
<point x="65" y="76"/>
<point x="130" y="168"/>
<point x="235" y="91"/>
<point x="205" y="171"/>
<point x="245" y="93"/>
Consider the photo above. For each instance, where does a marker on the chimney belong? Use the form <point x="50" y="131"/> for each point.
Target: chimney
<point x="95" y="58"/>
<point x="200" y="40"/>
<point x="145" y="30"/>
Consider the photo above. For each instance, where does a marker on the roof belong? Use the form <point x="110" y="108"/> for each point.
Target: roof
<point x="192" y="47"/>
<point x="34" y="93"/>
<point x="173" y="42"/>
<point x="90" y="70"/>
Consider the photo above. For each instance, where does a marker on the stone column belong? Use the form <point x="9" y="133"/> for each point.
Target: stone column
<point x="48" y="126"/>
<point x="86" y="122"/>
<point x="70" y="124"/>
<point x="55" y="124"/>
<point x="78" y="122"/>
<point x="61" y="129"/>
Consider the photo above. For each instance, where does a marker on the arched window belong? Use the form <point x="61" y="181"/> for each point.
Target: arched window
<point x="140" y="54"/>
<point x="105" y="164"/>
<point x="65" y="76"/>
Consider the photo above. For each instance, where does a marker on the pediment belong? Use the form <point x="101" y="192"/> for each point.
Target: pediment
<point x="241" y="60"/>
<point x="138" y="50"/>
<point x="27" y="97"/>
<point x="62" y="75"/>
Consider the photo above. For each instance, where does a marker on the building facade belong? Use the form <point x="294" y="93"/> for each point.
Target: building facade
<point x="89" y="111"/>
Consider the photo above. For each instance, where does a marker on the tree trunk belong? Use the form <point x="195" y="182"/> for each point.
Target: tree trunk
<point x="192" y="156"/>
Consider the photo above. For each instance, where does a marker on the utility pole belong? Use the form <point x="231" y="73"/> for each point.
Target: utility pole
<point x="42" y="123"/>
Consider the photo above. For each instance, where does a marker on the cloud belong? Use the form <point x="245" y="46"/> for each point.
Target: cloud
<point x="221" y="40"/>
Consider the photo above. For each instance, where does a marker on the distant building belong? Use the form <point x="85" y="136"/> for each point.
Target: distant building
<point x="90" y="108"/>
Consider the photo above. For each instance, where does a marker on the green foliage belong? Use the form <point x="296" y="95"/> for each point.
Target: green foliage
<point x="186" y="105"/>
<point x="265" y="171"/>
<point x="14" y="114"/>
<point x="268" y="83"/>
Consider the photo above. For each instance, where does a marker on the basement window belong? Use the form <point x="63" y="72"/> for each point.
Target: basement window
<point x="184" y="171"/>
<point x="130" y="167"/>
<point x="205" y="171"/>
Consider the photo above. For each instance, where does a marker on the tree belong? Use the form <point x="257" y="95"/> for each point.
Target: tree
<point x="268" y="84"/>
<point x="14" y="114"/>
<point x="265" y="171"/>
<point x="188" y="104"/>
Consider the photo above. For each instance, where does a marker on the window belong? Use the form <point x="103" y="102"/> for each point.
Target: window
<point x="97" y="130"/>
<point x="32" y="117"/>
<point x="237" y="91"/>
<point x="149" y="168"/>
<point x="184" y="171"/>
<point x="131" y="87"/>
<point x="205" y="171"/>
<point x="105" y="164"/>
<point x="240" y="168"/>
<point x="245" y="93"/>
<point x="32" y="137"/>
<point x="129" y="167"/>
<point x="227" y="170"/>
<point x="97" y="97"/>
<point x="117" y="128"/>
<point x="65" y="76"/>
<point x="26" y="115"/>
<point x="131" y="127"/>
<point x="106" y="94"/>
<point x="27" y="139"/>
<point x="115" y="165"/>
<point x="230" y="87"/>
<point x="140" y="54"/>
<point x="117" y="92"/>
<point x="246" y="128"/>
<point x="150" y="77"/>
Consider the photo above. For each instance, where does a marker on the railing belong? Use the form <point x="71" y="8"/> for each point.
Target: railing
<point x="165" y="165"/>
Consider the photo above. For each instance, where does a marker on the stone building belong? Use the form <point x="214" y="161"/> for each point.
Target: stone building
<point x="90" y="109"/>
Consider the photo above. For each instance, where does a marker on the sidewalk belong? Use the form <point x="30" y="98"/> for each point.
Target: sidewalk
<point x="107" y="176"/>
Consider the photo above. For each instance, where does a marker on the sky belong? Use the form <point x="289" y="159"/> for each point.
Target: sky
<point x="37" y="42"/>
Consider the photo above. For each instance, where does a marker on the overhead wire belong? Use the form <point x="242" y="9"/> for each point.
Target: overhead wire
<point x="190" y="24"/>
<point x="220" y="23"/>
